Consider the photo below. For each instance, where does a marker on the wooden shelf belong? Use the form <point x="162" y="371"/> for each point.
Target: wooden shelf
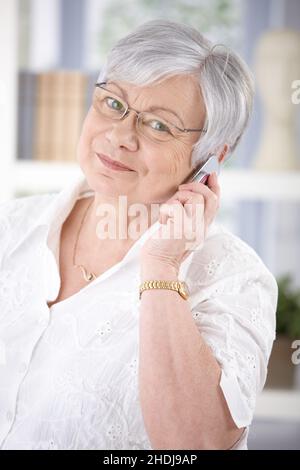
<point x="281" y="405"/>
<point x="252" y="185"/>
<point x="38" y="177"/>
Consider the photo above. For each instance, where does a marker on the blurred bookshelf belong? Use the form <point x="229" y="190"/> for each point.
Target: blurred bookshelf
<point x="25" y="176"/>
<point x="278" y="405"/>
<point x="26" y="170"/>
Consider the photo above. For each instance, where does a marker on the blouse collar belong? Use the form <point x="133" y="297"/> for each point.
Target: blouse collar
<point x="57" y="211"/>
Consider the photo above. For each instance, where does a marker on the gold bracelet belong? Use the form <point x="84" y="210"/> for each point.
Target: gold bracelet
<point x="178" y="286"/>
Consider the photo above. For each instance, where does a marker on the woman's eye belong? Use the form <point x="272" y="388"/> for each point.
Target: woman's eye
<point x="114" y="104"/>
<point x="159" y="126"/>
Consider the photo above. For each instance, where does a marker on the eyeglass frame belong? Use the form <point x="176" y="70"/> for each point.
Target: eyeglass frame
<point x="129" y="108"/>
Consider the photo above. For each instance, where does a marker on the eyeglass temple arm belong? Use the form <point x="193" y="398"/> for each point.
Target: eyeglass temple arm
<point x="194" y="130"/>
<point x="98" y="84"/>
<point x="191" y="130"/>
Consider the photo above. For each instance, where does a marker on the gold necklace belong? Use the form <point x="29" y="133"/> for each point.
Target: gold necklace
<point x="88" y="276"/>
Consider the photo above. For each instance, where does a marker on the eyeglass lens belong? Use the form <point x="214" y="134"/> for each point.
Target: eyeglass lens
<point x="112" y="106"/>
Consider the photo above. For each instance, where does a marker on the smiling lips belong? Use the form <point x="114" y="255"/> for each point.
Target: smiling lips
<point x="112" y="163"/>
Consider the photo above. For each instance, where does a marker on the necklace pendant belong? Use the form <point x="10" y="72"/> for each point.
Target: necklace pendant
<point x="90" y="277"/>
<point x="87" y="276"/>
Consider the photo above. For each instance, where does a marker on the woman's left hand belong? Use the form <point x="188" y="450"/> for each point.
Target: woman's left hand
<point x="184" y="218"/>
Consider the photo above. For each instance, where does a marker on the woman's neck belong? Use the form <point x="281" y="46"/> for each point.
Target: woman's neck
<point x="107" y="220"/>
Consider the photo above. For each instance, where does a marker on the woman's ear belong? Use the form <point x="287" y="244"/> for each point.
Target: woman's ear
<point x="222" y="155"/>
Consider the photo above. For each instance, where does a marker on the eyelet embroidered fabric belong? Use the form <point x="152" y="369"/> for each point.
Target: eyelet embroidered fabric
<point x="69" y="374"/>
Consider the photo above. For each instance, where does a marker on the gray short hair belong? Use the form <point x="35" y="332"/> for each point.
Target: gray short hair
<point x="159" y="49"/>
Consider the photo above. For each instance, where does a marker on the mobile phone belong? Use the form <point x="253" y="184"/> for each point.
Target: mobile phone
<point x="201" y="174"/>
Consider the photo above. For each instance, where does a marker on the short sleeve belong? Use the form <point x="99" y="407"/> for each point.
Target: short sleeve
<point x="16" y="215"/>
<point x="7" y="211"/>
<point x="233" y="302"/>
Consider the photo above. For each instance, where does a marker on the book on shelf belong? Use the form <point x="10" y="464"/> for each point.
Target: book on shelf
<point x="51" y="109"/>
<point x="43" y="129"/>
<point x="26" y="103"/>
<point x="91" y="80"/>
<point x="66" y="114"/>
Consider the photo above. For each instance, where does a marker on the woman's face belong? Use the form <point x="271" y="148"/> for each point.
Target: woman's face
<point x="158" y="167"/>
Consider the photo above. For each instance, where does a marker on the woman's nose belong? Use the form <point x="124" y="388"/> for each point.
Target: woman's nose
<point x="124" y="132"/>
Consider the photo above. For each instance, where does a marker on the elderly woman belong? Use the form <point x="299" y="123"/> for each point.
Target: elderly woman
<point x="93" y="356"/>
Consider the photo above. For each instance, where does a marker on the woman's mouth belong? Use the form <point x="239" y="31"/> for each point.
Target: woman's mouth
<point x="109" y="163"/>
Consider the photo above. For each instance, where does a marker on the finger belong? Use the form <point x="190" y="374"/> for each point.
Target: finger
<point x="193" y="205"/>
<point x="190" y="200"/>
<point x="186" y="218"/>
<point x="203" y="189"/>
<point x="212" y="186"/>
<point x="211" y="198"/>
<point x="182" y="195"/>
<point x="166" y="210"/>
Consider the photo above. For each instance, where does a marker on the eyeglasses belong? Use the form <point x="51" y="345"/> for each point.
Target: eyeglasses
<point x="111" y="106"/>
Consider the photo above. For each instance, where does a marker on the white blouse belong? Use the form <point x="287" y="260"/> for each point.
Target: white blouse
<point x="68" y="374"/>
